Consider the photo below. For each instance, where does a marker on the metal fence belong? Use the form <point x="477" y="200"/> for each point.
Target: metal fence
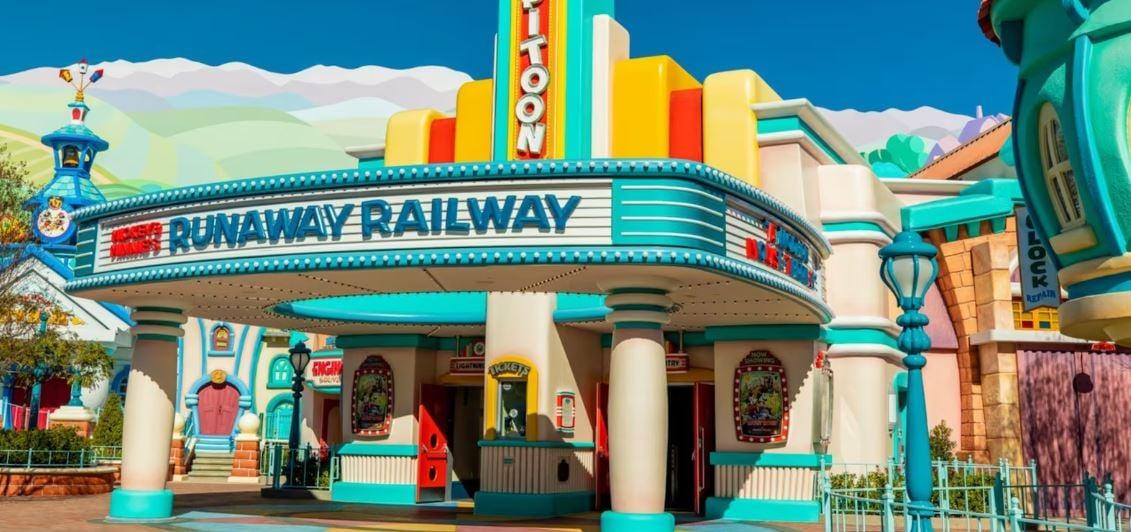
<point x="966" y="496"/>
<point x="34" y="458"/>
<point x="314" y="467"/>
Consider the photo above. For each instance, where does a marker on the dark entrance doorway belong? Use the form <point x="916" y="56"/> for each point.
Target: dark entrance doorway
<point x="679" y="487"/>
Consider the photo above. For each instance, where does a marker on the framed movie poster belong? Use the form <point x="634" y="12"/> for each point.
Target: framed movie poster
<point x="373" y="397"/>
<point x="761" y="399"/>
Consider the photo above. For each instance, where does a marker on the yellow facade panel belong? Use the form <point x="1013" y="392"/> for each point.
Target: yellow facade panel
<point x="474" y="103"/>
<point x="730" y="129"/>
<point x="406" y="136"/>
<point x="642" y="90"/>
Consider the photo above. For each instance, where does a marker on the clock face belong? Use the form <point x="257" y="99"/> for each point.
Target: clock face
<point x="53" y="222"/>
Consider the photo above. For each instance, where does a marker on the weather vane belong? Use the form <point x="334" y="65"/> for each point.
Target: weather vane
<point x="83" y="81"/>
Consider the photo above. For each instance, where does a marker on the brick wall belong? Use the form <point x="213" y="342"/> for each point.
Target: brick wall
<point x="246" y="461"/>
<point x="40" y="483"/>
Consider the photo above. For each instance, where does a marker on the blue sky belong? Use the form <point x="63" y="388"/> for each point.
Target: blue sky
<point x="869" y="54"/>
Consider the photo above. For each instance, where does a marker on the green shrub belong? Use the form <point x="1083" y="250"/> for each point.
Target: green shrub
<point x="108" y="431"/>
<point x="57" y="446"/>
<point x="942" y="443"/>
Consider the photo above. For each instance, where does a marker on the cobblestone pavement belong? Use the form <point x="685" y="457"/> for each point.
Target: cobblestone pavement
<point x="240" y="508"/>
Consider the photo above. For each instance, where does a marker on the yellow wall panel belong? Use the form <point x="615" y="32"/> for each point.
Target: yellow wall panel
<point x="406" y="136"/>
<point x="730" y="129"/>
<point x="642" y="90"/>
<point x="474" y="103"/>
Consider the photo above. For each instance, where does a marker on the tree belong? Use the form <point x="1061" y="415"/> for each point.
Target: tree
<point x="941" y="443"/>
<point x="901" y="156"/>
<point x="35" y="343"/>
<point x="108" y="430"/>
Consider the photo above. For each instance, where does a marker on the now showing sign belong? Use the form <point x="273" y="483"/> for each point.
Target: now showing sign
<point x="1039" y="284"/>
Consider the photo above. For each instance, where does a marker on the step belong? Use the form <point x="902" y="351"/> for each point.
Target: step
<point x="209" y="474"/>
<point x="210" y="468"/>
<point x="213" y="458"/>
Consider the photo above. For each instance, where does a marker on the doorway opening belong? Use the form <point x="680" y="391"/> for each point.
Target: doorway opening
<point x="466" y="427"/>
<point x="679" y="491"/>
<point x="451" y="424"/>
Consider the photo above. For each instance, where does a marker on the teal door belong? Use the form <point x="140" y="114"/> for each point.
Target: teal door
<point x="279" y="421"/>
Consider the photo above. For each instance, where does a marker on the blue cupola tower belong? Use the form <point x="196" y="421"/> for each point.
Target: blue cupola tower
<point x="74" y="146"/>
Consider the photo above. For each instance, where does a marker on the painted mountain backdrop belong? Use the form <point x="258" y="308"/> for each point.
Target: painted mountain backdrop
<point x="176" y="122"/>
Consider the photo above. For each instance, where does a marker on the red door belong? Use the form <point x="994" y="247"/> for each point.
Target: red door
<point x="601" y="437"/>
<point x="217" y="405"/>
<point x="704" y="420"/>
<point x="432" y="453"/>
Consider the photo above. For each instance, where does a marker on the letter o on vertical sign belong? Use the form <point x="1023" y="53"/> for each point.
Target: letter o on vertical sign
<point x="530" y="109"/>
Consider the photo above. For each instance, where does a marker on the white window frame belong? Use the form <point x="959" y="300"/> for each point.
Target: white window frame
<point x="1056" y="168"/>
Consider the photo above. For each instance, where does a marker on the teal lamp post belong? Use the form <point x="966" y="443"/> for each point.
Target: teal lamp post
<point x="908" y="268"/>
<point x="300" y="357"/>
<point x="39" y="373"/>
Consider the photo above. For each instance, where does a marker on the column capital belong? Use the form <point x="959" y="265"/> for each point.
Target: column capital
<point x="638" y="302"/>
<point x="157" y="320"/>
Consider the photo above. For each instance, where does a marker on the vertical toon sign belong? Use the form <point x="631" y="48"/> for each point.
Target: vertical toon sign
<point x="533" y="61"/>
<point x="373" y="397"/>
<point x="1039" y="284"/>
<point x="761" y="399"/>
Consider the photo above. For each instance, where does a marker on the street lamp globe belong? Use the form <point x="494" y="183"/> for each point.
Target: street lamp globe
<point x="908" y="268"/>
<point x="300" y="357"/>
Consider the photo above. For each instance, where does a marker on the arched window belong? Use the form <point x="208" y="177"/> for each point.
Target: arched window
<point x="1059" y="175"/>
<point x="277" y="422"/>
<point x="221" y="341"/>
<point x="281" y="373"/>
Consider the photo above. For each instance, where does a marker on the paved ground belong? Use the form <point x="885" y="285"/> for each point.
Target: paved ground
<point x="241" y="509"/>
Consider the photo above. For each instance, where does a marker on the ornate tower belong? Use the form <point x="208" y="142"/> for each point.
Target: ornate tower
<point x="75" y="147"/>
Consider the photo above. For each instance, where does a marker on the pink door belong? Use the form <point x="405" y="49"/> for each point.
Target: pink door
<point x="217" y="405"/>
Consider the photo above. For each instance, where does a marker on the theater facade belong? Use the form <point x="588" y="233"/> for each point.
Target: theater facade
<point x="601" y="284"/>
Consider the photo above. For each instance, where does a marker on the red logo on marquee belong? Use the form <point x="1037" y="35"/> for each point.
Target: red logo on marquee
<point x="136" y="239"/>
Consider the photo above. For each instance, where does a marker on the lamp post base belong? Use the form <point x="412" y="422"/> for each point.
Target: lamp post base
<point x="618" y="521"/>
<point x="140" y="505"/>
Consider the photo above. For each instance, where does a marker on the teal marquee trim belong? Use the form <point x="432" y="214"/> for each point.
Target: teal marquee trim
<point x="392" y="494"/>
<point x="376" y="449"/>
<point x="834" y="227"/>
<point x="625" y="522"/>
<point x="533" y="504"/>
<point x="732" y="333"/>
<point x="763" y="510"/>
<point x="386" y="340"/>
<point x="463" y="257"/>
<point x="859" y="335"/>
<point x="159" y="337"/>
<point x="783" y="124"/>
<point x="436" y="308"/>
<point x="637" y="325"/>
<point x="139" y="505"/>
<point x="350" y="178"/>
<point x="538" y="444"/>
<point x="760" y="459"/>
<point x="669" y="211"/>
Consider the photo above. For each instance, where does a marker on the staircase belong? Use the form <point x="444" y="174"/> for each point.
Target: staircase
<point x="211" y="466"/>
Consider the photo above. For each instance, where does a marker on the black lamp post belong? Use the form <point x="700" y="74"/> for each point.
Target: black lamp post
<point x="300" y="357"/>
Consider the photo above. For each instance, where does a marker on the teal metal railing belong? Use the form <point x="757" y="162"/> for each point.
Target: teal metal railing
<point x="315" y="467"/>
<point x="963" y="500"/>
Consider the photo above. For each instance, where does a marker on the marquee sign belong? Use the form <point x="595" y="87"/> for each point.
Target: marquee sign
<point x="372" y="399"/>
<point x="534" y="54"/>
<point x="469" y="214"/>
<point x="761" y="399"/>
<point x="758" y="237"/>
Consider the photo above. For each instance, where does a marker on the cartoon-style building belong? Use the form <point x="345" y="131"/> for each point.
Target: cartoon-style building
<point x="1071" y="142"/>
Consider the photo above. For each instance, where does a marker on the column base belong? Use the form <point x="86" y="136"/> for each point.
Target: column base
<point x="141" y="505"/>
<point x="617" y="521"/>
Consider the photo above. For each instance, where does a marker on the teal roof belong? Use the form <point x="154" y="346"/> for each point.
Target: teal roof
<point x="992" y="200"/>
<point x="75" y="133"/>
<point x="76" y="190"/>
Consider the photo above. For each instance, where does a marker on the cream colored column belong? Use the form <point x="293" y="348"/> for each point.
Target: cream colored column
<point x="638" y="404"/>
<point x="148" y="424"/>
